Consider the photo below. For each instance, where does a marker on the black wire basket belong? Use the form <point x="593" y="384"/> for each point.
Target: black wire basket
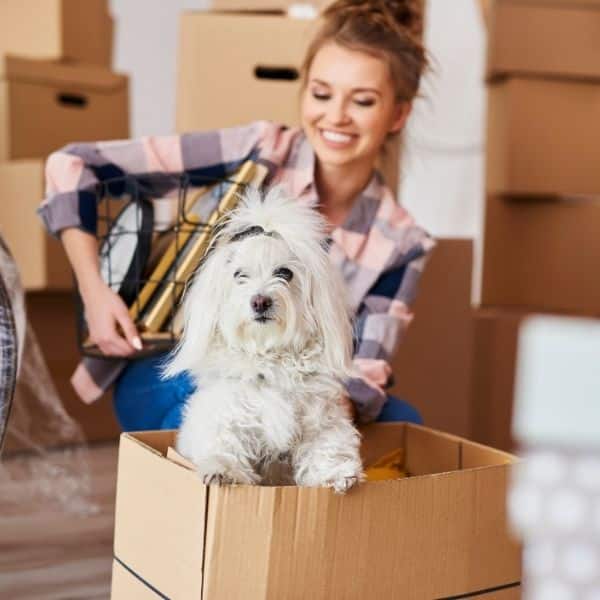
<point x="153" y="233"/>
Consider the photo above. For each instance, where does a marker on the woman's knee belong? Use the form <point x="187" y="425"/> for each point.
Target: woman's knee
<point x="143" y="400"/>
<point x="398" y="410"/>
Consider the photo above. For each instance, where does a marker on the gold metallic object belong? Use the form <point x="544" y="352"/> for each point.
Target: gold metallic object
<point x="182" y="261"/>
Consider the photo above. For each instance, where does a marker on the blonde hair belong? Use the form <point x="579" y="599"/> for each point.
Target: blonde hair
<point x="390" y="29"/>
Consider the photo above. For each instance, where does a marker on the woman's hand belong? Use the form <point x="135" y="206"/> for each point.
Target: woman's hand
<point x="110" y="326"/>
<point x="348" y="406"/>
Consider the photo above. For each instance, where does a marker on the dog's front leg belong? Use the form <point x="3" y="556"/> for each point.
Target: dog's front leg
<point x="329" y="458"/>
<point x="220" y="458"/>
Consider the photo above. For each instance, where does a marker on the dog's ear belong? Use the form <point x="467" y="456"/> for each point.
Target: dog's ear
<point x="332" y="317"/>
<point x="202" y="302"/>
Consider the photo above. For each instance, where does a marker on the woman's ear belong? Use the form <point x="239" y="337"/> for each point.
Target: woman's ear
<point x="401" y="112"/>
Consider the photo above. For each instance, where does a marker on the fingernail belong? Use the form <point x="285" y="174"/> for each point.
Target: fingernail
<point x="137" y="343"/>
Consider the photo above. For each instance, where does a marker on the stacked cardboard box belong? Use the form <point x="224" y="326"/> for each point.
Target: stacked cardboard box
<point x="260" y="51"/>
<point x="56" y="87"/>
<point x="541" y="218"/>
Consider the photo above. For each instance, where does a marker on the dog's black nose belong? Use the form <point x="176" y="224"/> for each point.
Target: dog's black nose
<point x="261" y="304"/>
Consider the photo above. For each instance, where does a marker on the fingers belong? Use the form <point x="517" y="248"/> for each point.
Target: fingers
<point x="112" y="344"/>
<point x="115" y="334"/>
<point x="129" y="329"/>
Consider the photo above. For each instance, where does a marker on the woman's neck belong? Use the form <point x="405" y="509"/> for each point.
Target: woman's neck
<point x="338" y="188"/>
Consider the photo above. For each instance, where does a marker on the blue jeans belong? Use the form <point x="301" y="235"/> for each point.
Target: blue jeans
<point x="143" y="401"/>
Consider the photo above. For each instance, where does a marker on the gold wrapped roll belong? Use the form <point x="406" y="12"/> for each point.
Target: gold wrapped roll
<point x="185" y="254"/>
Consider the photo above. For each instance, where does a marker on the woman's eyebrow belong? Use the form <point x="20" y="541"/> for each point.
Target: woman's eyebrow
<point x="358" y="89"/>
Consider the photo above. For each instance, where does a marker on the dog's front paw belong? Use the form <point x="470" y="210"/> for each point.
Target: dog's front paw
<point x="215" y="478"/>
<point x="228" y="476"/>
<point x="341" y="485"/>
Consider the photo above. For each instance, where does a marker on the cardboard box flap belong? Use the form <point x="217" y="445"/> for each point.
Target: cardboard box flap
<point x="429" y="451"/>
<point x="475" y="455"/>
<point x="153" y="494"/>
<point x="58" y="74"/>
<point x="378" y="439"/>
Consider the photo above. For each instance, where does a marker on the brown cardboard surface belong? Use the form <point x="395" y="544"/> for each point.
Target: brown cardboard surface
<point x="555" y="39"/>
<point x="432" y="367"/>
<point x="52" y="317"/>
<point x="512" y="593"/>
<point x="57" y="29"/>
<point x="422" y="537"/>
<point x="428" y="451"/>
<point x="494" y="351"/>
<point x="48" y="104"/>
<point x="245" y="43"/>
<point x="540" y="254"/>
<point x="40" y="258"/>
<point x="126" y="585"/>
<point x="159" y="520"/>
<point x="532" y="147"/>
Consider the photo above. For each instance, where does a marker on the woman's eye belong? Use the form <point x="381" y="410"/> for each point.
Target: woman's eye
<point x="283" y="273"/>
<point x="364" y="101"/>
<point x="320" y="96"/>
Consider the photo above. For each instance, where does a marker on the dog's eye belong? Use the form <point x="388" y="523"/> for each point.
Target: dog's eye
<point x="240" y="275"/>
<point x="283" y="273"/>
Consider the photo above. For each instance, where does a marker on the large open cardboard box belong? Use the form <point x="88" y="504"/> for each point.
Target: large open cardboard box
<point x="440" y="533"/>
<point x="75" y="30"/>
<point x="46" y="104"/>
<point x="256" y="76"/>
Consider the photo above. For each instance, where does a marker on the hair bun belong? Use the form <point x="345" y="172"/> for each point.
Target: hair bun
<point x="406" y="15"/>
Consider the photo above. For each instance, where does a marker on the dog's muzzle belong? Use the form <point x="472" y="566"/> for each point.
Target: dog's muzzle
<point x="261" y="305"/>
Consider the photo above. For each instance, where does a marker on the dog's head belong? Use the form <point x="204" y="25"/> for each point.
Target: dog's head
<point x="266" y="285"/>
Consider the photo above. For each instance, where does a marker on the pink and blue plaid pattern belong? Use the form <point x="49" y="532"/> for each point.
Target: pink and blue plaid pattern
<point x="379" y="250"/>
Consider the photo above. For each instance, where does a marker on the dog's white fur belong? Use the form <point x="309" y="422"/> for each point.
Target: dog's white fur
<point x="268" y="392"/>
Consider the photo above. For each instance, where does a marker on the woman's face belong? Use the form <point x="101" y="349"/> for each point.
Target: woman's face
<point x="348" y="106"/>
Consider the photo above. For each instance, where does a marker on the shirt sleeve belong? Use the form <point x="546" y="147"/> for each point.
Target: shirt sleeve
<point x="382" y="320"/>
<point x="73" y="174"/>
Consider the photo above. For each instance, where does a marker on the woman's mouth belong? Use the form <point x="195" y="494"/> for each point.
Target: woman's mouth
<point x="336" y="139"/>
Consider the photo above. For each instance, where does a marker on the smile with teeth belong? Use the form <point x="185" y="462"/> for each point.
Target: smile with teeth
<point x="336" y="137"/>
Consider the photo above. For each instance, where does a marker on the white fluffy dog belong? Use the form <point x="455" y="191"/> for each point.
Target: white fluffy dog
<point x="267" y="338"/>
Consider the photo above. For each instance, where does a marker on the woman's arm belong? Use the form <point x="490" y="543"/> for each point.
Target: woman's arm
<point x="106" y="314"/>
<point x="73" y="172"/>
<point x="382" y="321"/>
<point x="69" y="210"/>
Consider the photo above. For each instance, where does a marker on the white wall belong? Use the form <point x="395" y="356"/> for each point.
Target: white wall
<point x="443" y="164"/>
<point x="146" y="40"/>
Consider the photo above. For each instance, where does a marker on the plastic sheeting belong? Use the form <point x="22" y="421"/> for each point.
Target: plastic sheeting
<point x="51" y="466"/>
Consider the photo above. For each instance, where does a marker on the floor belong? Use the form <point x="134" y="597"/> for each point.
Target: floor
<point x="47" y="551"/>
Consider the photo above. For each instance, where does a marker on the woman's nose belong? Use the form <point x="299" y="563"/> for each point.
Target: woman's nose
<point x="337" y="112"/>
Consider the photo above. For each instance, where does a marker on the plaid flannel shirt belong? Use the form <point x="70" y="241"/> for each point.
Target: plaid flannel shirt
<point x="379" y="250"/>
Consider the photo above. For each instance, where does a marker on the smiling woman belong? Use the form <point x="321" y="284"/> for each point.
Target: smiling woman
<point x="360" y="75"/>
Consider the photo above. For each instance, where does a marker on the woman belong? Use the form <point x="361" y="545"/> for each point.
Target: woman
<point x="360" y="76"/>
